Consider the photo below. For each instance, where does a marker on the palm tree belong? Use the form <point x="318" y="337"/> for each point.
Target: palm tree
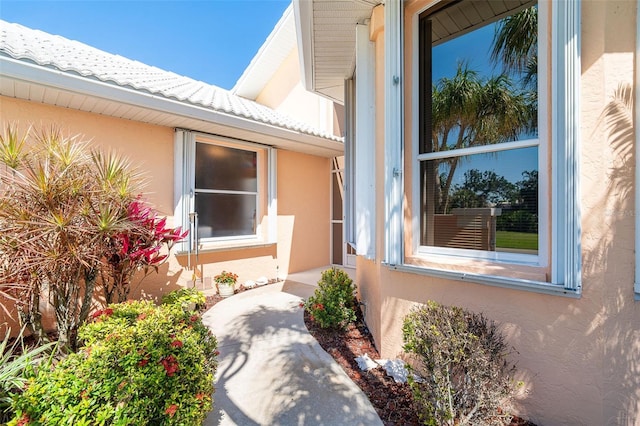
<point x="470" y="111"/>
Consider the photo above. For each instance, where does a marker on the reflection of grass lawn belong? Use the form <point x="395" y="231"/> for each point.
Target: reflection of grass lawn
<point x="516" y="240"/>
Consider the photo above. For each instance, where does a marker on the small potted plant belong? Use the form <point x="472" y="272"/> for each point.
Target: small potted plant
<point x="226" y="282"/>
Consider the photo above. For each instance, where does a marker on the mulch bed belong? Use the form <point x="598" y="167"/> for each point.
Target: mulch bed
<point x="392" y="401"/>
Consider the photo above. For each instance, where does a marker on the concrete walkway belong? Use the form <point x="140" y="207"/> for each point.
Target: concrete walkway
<point x="272" y="371"/>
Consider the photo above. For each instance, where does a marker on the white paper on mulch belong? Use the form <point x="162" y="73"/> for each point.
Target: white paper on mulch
<point x="394" y="367"/>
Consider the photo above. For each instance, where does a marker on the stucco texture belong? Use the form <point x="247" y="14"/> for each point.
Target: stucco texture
<point x="303" y="211"/>
<point x="579" y="359"/>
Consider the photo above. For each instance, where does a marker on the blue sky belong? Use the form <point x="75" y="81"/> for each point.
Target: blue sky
<point x="208" y="40"/>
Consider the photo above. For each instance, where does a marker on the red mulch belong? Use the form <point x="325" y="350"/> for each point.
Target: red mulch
<point x="392" y="401"/>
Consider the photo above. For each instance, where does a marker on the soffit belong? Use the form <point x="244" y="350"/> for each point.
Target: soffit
<point x="451" y="19"/>
<point x="326" y="29"/>
<point x="328" y="42"/>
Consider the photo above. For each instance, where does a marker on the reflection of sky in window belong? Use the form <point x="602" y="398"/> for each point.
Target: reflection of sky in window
<point x="475" y="49"/>
<point x="510" y="164"/>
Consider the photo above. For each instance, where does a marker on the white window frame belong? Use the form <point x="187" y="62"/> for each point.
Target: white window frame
<point x="539" y="259"/>
<point x="184" y="191"/>
<point x="565" y="257"/>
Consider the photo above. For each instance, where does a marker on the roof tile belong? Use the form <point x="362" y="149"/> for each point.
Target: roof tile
<point x="25" y="44"/>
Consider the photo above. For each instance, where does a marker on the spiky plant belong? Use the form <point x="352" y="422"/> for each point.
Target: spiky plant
<point x="64" y="214"/>
<point x="17" y="364"/>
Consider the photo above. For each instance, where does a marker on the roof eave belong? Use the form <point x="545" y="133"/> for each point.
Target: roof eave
<point x="303" y="14"/>
<point x="191" y="114"/>
<point x="325" y="63"/>
<point x="268" y="58"/>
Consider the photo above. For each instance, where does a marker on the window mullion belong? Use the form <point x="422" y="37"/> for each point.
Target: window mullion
<point x="224" y="191"/>
<point x="482" y="149"/>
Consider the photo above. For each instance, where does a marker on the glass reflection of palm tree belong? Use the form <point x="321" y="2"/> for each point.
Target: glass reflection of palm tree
<point x="515" y="43"/>
<point x="469" y="111"/>
<point x="515" y="47"/>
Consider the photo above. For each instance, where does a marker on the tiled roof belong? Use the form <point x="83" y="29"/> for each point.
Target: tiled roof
<point x="69" y="56"/>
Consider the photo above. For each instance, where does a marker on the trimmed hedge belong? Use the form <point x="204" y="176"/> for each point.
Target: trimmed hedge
<point x="140" y="364"/>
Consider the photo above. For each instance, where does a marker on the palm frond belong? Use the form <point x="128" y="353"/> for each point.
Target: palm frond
<point x="515" y="40"/>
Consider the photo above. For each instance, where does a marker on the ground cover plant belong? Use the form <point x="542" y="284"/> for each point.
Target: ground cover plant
<point x="139" y="364"/>
<point x="188" y="298"/>
<point x="72" y="221"/>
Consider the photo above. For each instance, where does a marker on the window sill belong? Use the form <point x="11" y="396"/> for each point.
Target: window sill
<point x="513" y="277"/>
<point x="466" y="265"/>
<point x="228" y="246"/>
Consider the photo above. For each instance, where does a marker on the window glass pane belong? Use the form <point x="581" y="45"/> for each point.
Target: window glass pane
<point x="336" y="253"/>
<point x="226" y="215"/>
<point x="224" y="168"/>
<point x="478" y="87"/>
<point x="337" y="194"/>
<point x="483" y="91"/>
<point x="481" y="202"/>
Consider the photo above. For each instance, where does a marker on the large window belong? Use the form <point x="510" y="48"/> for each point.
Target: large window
<point x="493" y="184"/>
<point x="479" y="154"/>
<point x="225" y="191"/>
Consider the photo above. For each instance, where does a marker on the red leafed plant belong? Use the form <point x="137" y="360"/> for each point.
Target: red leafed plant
<point x="137" y="247"/>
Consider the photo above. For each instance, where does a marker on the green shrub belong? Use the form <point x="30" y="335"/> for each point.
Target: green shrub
<point x="140" y="364"/>
<point x="185" y="297"/>
<point x="461" y="357"/>
<point x="17" y="364"/>
<point x="333" y="303"/>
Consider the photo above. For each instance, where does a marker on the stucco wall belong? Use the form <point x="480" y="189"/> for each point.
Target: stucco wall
<point x="303" y="211"/>
<point x="302" y="190"/>
<point x="579" y="358"/>
<point x="284" y="93"/>
<point x="148" y="147"/>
